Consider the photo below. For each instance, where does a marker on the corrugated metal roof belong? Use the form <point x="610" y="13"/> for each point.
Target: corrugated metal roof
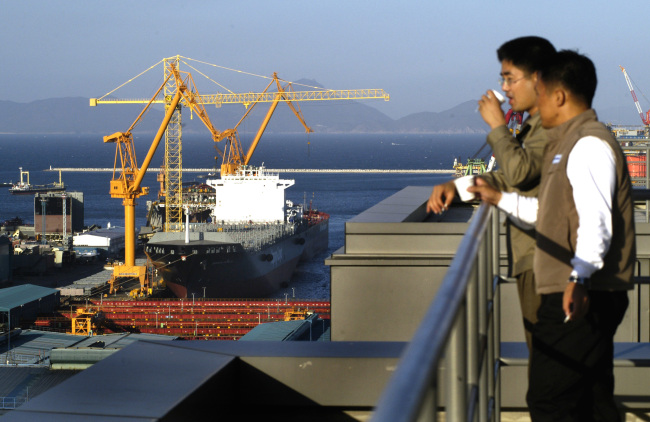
<point x="33" y="346"/>
<point x="312" y="328"/>
<point x="12" y="297"/>
<point x="120" y="340"/>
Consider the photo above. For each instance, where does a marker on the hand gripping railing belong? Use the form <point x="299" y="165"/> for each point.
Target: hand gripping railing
<point x="457" y="325"/>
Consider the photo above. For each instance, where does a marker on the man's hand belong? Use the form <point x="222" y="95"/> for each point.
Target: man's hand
<point x="485" y="192"/>
<point x="491" y="111"/>
<point x="441" y="197"/>
<point x="575" y="302"/>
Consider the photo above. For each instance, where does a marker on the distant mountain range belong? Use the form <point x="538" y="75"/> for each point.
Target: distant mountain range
<point x="75" y="116"/>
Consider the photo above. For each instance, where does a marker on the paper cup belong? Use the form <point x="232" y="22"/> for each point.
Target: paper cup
<point x="499" y="96"/>
<point x="462" y="183"/>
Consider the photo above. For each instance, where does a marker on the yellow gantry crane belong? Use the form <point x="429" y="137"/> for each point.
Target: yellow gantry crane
<point x="173" y="162"/>
<point x="127" y="175"/>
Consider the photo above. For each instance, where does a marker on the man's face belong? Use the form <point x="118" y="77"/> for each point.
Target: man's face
<point x="519" y="88"/>
<point x="545" y="105"/>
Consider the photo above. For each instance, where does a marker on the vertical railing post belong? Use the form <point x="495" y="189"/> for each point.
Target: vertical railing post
<point x="429" y="410"/>
<point x="484" y="280"/>
<point x="494" y="349"/>
<point x="456" y="356"/>
<point x="473" y="346"/>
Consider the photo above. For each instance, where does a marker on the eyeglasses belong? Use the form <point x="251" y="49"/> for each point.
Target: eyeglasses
<point x="509" y="81"/>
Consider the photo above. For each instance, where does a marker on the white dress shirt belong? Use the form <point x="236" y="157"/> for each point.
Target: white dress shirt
<point x="591" y="170"/>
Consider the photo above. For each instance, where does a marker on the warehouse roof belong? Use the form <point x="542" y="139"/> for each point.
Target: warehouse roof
<point x="12" y="297"/>
<point x="111" y="233"/>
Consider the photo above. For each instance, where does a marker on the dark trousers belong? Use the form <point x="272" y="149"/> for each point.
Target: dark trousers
<point x="529" y="301"/>
<point x="571" y="365"/>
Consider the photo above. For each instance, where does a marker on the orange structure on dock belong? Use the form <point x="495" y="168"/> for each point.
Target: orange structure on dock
<point x="207" y="319"/>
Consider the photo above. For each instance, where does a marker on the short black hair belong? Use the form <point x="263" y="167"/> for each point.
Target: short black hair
<point x="527" y="53"/>
<point x="574" y="72"/>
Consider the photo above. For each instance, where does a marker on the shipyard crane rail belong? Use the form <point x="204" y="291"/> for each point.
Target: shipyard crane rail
<point x="644" y="118"/>
<point x="173" y="168"/>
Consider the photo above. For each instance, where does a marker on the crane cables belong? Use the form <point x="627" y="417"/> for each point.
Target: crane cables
<point x="248" y="73"/>
<point x="206" y="76"/>
<point x="130" y="80"/>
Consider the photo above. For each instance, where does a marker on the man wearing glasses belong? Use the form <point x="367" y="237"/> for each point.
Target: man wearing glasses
<point x="519" y="158"/>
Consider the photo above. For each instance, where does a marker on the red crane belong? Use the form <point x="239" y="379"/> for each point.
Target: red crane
<point x="645" y="118"/>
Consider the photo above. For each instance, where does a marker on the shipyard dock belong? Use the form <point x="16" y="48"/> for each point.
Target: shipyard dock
<point x="382" y="286"/>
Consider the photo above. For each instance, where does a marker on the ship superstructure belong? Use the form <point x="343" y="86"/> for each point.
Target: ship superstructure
<point x="251" y="245"/>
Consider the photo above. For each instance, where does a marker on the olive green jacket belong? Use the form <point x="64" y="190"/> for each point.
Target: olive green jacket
<point x="520" y="164"/>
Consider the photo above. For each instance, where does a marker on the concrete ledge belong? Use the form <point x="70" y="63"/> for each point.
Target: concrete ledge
<point x="229" y="380"/>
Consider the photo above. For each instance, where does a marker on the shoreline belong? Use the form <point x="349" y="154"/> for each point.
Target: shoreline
<point x="203" y="170"/>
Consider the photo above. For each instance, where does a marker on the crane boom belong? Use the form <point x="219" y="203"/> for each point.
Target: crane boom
<point x="236" y="157"/>
<point x="645" y="119"/>
<point x="267" y="97"/>
<point x="173" y="169"/>
<point x="281" y="95"/>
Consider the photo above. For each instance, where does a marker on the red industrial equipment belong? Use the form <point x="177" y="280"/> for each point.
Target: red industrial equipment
<point x="644" y="118"/>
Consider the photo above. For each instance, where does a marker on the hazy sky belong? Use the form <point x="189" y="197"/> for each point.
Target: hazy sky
<point x="428" y="55"/>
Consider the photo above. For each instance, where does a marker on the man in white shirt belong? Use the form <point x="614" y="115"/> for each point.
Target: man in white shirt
<point x="585" y="251"/>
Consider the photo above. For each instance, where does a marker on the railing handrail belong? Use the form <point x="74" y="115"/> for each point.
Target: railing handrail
<point x="12" y="402"/>
<point x="406" y="391"/>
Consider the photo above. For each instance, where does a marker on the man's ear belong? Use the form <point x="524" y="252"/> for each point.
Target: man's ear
<point x="534" y="77"/>
<point x="560" y="97"/>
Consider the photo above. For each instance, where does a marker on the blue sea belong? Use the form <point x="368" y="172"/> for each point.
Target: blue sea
<point x="342" y="195"/>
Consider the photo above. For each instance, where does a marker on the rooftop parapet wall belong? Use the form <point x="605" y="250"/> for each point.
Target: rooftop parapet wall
<point x="396" y="255"/>
<point x="394" y="258"/>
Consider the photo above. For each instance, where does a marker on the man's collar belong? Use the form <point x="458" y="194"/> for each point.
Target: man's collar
<point x="555" y="133"/>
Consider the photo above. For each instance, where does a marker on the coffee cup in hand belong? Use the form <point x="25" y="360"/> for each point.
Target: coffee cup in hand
<point x="462" y="183"/>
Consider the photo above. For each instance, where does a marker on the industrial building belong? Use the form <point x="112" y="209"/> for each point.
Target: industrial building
<point x="6" y="254"/>
<point x="106" y="242"/>
<point x="55" y="211"/>
<point x="26" y="302"/>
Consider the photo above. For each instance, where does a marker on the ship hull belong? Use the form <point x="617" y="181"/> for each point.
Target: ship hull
<point x="32" y="191"/>
<point x="213" y="266"/>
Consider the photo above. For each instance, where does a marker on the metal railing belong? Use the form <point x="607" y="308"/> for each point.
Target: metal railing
<point x="12" y="402"/>
<point x="461" y="327"/>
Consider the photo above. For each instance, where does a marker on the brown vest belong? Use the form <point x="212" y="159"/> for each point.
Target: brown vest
<point x="557" y="218"/>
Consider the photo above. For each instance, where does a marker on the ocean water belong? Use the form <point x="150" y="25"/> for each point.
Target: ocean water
<point x="342" y="195"/>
